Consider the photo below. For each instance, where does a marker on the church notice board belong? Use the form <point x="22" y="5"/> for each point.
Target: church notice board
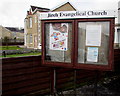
<point x="79" y="40"/>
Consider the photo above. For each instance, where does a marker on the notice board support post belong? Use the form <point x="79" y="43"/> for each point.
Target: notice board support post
<point x="75" y="82"/>
<point x="53" y="82"/>
<point x="96" y="82"/>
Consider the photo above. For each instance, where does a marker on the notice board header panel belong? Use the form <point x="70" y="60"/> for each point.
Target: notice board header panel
<point x="77" y="14"/>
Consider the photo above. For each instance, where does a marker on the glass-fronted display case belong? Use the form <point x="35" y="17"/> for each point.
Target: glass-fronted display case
<point x="78" y="43"/>
<point x="58" y="42"/>
<point x="93" y="42"/>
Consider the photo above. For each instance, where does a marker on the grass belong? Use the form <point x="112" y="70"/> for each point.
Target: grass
<point x="21" y="55"/>
<point x="17" y="54"/>
<point x="9" y="48"/>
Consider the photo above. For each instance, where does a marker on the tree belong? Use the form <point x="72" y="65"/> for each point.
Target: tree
<point x="15" y="39"/>
<point x="1" y="42"/>
<point x="6" y="40"/>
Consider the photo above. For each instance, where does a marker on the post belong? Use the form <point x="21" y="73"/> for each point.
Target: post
<point x="53" y="82"/>
<point x="4" y="54"/>
<point x="74" y="82"/>
<point x="96" y="82"/>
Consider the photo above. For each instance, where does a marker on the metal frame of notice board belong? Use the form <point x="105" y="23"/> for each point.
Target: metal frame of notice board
<point x="79" y="43"/>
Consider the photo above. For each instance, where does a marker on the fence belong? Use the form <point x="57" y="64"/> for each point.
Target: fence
<point x="26" y="76"/>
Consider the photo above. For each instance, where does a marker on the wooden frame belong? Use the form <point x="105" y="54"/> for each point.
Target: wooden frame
<point x="111" y="49"/>
<point x="74" y="53"/>
<point x="57" y="64"/>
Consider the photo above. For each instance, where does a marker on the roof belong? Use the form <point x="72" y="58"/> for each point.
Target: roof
<point x="60" y="5"/>
<point x="35" y="7"/>
<point x="13" y="29"/>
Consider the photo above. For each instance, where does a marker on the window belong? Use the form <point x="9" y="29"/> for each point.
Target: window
<point x="27" y="38"/>
<point x="25" y="23"/>
<point x="30" y="22"/>
<point x="30" y="39"/>
<point x="35" y="19"/>
<point x="118" y="30"/>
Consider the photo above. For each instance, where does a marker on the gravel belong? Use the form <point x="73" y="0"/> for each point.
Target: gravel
<point x="110" y="87"/>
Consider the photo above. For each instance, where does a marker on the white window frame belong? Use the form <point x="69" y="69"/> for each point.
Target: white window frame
<point x="30" y="38"/>
<point x="30" y="22"/>
<point x="35" y="19"/>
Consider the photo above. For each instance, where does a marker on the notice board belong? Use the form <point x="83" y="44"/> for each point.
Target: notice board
<point x="82" y="43"/>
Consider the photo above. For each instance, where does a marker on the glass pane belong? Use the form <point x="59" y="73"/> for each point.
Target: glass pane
<point x="58" y="42"/>
<point x="93" y="42"/>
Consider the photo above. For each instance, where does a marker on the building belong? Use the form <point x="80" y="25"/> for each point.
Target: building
<point x="4" y="32"/>
<point x="32" y="34"/>
<point x="118" y="29"/>
<point x="14" y="34"/>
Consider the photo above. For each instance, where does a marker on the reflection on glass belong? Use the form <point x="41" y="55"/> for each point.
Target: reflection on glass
<point x="93" y="42"/>
<point x="58" y="42"/>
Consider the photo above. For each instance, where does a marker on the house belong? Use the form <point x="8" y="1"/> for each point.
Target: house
<point x="118" y="25"/>
<point x="4" y="32"/>
<point x="33" y="28"/>
<point x="32" y="34"/>
<point x="14" y="34"/>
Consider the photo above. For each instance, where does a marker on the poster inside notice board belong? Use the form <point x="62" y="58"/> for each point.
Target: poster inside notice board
<point x="93" y="35"/>
<point x="58" y="36"/>
<point x="92" y="54"/>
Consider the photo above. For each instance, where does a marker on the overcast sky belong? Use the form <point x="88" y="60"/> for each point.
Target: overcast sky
<point x="13" y="12"/>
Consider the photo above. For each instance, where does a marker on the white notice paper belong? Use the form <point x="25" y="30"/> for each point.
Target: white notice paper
<point x="92" y="54"/>
<point x="93" y="35"/>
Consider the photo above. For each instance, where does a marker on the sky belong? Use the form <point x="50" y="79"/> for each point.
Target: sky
<point x="13" y="12"/>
